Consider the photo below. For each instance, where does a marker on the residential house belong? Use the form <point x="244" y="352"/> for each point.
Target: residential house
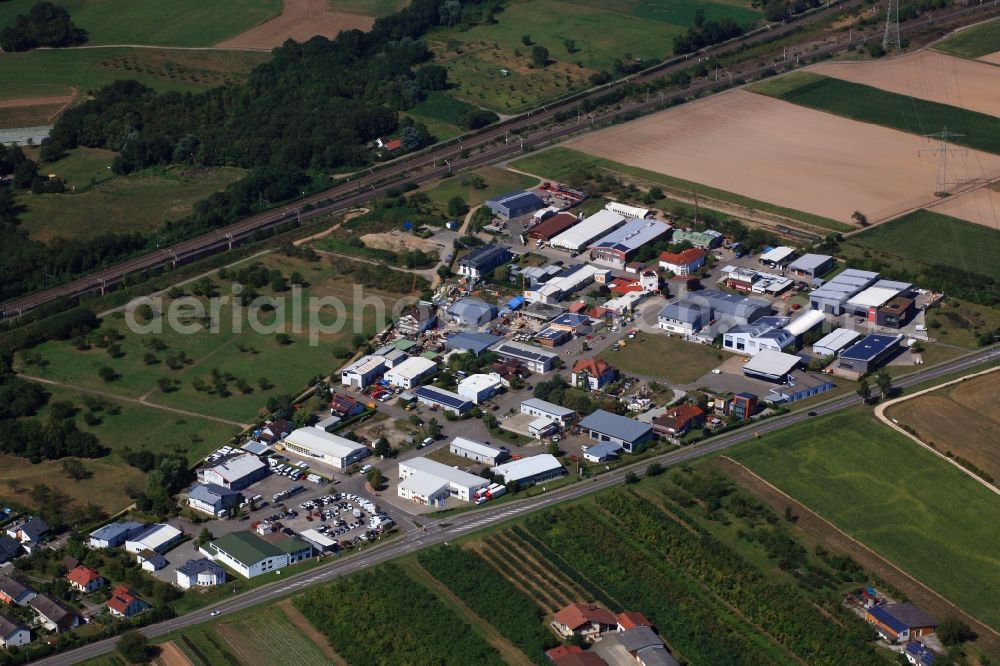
<point x="602" y="452"/>
<point x="743" y="405"/>
<point x="683" y="263"/>
<point x="234" y="472"/>
<point x="603" y="426"/>
<point x="918" y="655"/>
<point x="13" y="591"/>
<point x="10" y="548"/>
<point x="592" y="374"/>
<point x="678" y="421"/>
<point x="13" y="633"/>
<point x="632" y="619"/>
<point x="275" y="431"/>
<point x="30" y="532"/>
<point x="113" y="535"/>
<point x="417" y="319"/>
<point x="586" y="620"/>
<point x="212" y="499"/>
<point x="84" y="579"/>
<point x="124" y="603"/>
<point x="52" y="615"/>
<point x="900" y="622"/>
<point x="345" y="406"/>
<point x="200" y="573"/>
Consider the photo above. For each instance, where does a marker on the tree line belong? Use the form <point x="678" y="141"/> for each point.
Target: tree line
<point x="45" y="24"/>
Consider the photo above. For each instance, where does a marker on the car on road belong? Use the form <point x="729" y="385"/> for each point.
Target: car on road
<point x="813" y="414"/>
<point x="214" y="613"/>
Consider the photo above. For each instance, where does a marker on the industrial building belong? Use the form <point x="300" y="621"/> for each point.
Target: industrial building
<point x="799" y="385"/>
<point x="234" y="472"/>
<point x="682" y="263"/>
<point x="331" y="449"/>
<point x="437" y="398"/>
<point x="562" y="416"/>
<point x="552" y="337"/>
<point x="480" y="387"/>
<point x="831" y="296"/>
<point x="619" y="246"/>
<point x="868" y="353"/>
<point x="533" y="358"/>
<point x="703" y="240"/>
<point x="562" y="283"/>
<point x="476" y="451"/>
<point x="765" y="333"/>
<point x="777" y="257"/>
<point x="683" y="317"/>
<point x="751" y="281"/>
<point x="531" y="470"/>
<point x="633" y="212"/>
<point x="551" y="227"/>
<point x="361" y="373"/>
<point x="411" y="372"/>
<point x="475" y="343"/>
<point x="250" y="556"/>
<point x="483" y="260"/>
<point x="811" y="265"/>
<point x="589" y="230"/>
<point x="515" y="204"/>
<point x="603" y="426"/>
<point x="211" y="499"/>
<point x="429" y="482"/>
<point x="113" y="535"/>
<point x="835" y="341"/>
<point x="771" y="366"/>
<point x="693" y="313"/>
<point x="156" y="538"/>
<point x="472" y="312"/>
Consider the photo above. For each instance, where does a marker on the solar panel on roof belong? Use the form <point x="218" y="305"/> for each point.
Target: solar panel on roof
<point x="446" y="399"/>
<point x="887" y="618"/>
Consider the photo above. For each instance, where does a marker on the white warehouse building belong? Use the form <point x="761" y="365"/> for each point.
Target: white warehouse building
<point x="583" y="234"/>
<point x="480" y="387"/>
<point x="426" y="481"/>
<point x="411" y="372"/>
<point x="534" y="469"/>
<point x="476" y="451"/>
<point x="334" y="450"/>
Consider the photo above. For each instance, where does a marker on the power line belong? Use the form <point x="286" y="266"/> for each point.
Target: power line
<point x="942" y="154"/>
<point x="891" y="38"/>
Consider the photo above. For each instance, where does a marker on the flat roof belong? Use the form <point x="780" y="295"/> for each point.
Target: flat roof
<point x="615" y="425"/>
<point x="873" y="297"/>
<point x="412" y="367"/>
<point x="475" y="447"/>
<point x="443" y="472"/>
<point x="632" y="235"/>
<point x="595" y="226"/>
<point x="845" y="284"/>
<point x="443" y="397"/>
<point x="156" y="536"/>
<point x="365" y="364"/>
<point x="547" y="407"/>
<point x="519" y="350"/>
<point x="527" y="467"/>
<point x="870" y="346"/>
<point x="483" y="255"/>
<point x="318" y="538"/>
<point x="769" y="362"/>
<point x="424" y="484"/>
<point x="777" y="254"/>
<point x="314" y="439"/>
<point x="837" y="340"/>
<point x="479" y="382"/>
<point x="554" y="225"/>
<point x="236" y="467"/>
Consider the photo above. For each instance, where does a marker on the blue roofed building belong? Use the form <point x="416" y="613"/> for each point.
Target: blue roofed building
<point x="213" y="499"/>
<point x="113" y="535"/>
<point x="475" y="343"/>
<point x="515" y="204"/>
<point x="603" y="426"/>
<point x="619" y="246"/>
<point x="602" y="452"/>
<point x="441" y="399"/>
<point x="918" y="655"/>
<point x="472" y="312"/>
<point x="900" y="622"/>
<point x="481" y="261"/>
<point x="868" y="353"/>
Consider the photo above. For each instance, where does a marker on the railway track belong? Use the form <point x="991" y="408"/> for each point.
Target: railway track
<point x="490" y="146"/>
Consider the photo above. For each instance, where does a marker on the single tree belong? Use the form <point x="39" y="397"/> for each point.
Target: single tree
<point x="539" y="56"/>
<point x="375" y="478"/>
<point x="204" y="537"/>
<point x="953" y="631"/>
<point x="631" y="477"/>
<point x="570" y="46"/>
<point x="655" y="469"/>
<point x="526" y="40"/>
<point x="457" y="206"/>
<point x="133" y="647"/>
<point x="864" y="390"/>
<point x="884" y="382"/>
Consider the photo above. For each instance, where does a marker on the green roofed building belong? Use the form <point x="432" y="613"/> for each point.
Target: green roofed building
<point x="404" y="345"/>
<point x="703" y="240"/>
<point x="249" y="555"/>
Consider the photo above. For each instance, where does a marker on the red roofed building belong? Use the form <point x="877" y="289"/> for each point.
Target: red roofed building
<point x="682" y="263"/>
<point x="678" y="421"/>
<point x="392" y="144"/>
<point x="592" y="374"/>
<point x="632" y="619"/>
<point x="345" y="406"/>
<point x="562" y="651"/>
<point x="585" y="620"/>
<point x="624" y="285"/>
<point x="580" y="659"/>
<point x="577" y="306"/>
<point x="124" y="603"/>
<point x="85" y="579"/>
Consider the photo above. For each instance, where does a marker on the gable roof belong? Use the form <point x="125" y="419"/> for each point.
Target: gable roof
<point x="638" y="638"/>
<point x="9" y="548"/>
<point x="12" y="587"/>
<point x="678" y="417"/>
<point x="33" y="528"/>
<point x="212" y="493"/>
<point x="621" y="427"/>
<point x="122" y="598"/>
<point x="633" y="619"/>
<point x="592" y="366"/>
<point x="902" y="616"/>
<point x="9" y="626"/>
<point x="82" y="576"/>
<point x="576" y="615"/>
<point x="579" y="659"/>
<point x="684" y="257"/>
<point x="50" y="608"/>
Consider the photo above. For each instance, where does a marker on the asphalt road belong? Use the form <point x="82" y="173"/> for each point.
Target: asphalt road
<point x="450" y="528"/>
<point x="392" y="174"/>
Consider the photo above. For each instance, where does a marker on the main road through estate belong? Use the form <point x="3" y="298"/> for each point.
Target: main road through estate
<point x="450" y="528"/>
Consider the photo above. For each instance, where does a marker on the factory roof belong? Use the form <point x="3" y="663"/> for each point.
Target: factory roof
<point x="525" y="468"/>
<point x="620" y="427"/>
<point x="809" y="262"/>
<point x="595" y="226"/>
<point x="776" y="255"/>
<point x="772" y="363"/>
<point x="632" y="235"/>
<point x="322" y="442"/>
<point x="837" y="340"/>
<point x="873" y="297"/>
<point x="870" y="347"/>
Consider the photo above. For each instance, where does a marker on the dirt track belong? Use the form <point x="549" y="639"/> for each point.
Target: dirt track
<point x="835" y="540"/>
<point x="299" y="20"/>
<point x="929" y="75"/>
<point x="785" y="154"/>
<point x="170" y="655"/>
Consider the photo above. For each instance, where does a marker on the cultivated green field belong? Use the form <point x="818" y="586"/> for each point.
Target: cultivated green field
<point x="973" y="42"/>
<point x="602" y="32"/>
<point x="376" y="8"/>
<point x="138" y="202"/>
<point x="665" y="356"/>
<point x="880" y="107"/>
<point x="441" y="114"/>
<point x="929" y="238"/>
<point x="563" y="163"/>
<point x="158" y="23"/>
<point x="245" y="354"/>
<point x="916" y="510"/>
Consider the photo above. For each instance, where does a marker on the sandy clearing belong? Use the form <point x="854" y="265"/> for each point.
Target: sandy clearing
<point x="929" y="75"/>
<point x="993" y="58"/>
<point x="785" y="154"/>
<point x="170" y="655"/>
<point x="980" y="206"/>
<point x="299" y="20"/>
<point x="397" y="241"/>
